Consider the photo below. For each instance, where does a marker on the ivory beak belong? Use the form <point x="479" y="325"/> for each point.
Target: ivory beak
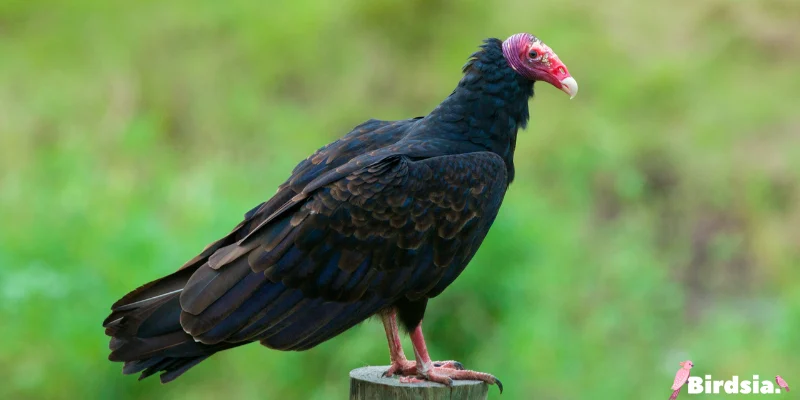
<point x="570" y="86"/>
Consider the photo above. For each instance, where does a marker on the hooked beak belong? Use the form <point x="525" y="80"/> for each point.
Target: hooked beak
<point x="569" y="86"/>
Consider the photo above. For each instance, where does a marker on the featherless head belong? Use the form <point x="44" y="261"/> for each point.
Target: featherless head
<point x="534" y="60"/>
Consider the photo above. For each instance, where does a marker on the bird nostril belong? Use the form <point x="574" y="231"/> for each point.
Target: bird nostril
<point x="561" y="70"/>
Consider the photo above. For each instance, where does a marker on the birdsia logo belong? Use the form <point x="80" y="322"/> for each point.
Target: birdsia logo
<point x="698" y="385"/>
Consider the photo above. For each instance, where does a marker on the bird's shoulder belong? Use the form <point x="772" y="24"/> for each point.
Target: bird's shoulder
<point x="364" y="138"/>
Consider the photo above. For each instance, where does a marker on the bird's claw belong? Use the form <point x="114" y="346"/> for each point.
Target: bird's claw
<point x="446" y="376"/>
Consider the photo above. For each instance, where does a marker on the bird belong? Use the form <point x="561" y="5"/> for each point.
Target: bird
<point x="680" y="378"/>
<point x="782" y="383"/>
<point x="373" y="224"/>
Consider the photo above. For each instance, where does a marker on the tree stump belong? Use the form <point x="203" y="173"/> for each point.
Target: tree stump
<point x="368" y="383"/>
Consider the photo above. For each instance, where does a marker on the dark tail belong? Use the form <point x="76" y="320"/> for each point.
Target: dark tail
<point x="146" y="332"/>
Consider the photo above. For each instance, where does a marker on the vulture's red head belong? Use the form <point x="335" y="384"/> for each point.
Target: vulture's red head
<point x="534" y="60"/>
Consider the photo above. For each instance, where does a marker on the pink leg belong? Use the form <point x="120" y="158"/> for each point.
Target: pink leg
<point x="400" y="364"/>
<point x="429" y="371"/>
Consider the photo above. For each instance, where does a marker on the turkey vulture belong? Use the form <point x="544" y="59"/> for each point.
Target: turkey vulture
<point x="375" y="223"/>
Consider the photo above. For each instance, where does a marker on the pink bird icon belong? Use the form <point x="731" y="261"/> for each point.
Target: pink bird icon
<point x="680" y="378"/>
<point x="781" y="382"/>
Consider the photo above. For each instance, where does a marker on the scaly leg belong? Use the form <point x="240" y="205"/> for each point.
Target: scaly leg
<point x="429" y="371"/>
<point x="400" y="364"/>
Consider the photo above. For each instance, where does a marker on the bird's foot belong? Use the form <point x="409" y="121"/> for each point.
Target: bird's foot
<point x="408" y="368"/>
<point x="403" y="367"/>
<point x="446" y="376"/>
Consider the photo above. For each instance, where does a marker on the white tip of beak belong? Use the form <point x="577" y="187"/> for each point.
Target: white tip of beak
<point x="570" y="86"/>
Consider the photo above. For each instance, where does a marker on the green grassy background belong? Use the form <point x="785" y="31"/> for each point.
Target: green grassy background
<point x="655" y="217"/>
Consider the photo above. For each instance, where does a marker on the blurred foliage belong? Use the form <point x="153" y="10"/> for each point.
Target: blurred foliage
<point x="655" y="217"/>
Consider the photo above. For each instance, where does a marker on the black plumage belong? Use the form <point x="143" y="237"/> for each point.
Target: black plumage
<point x="384" y="218"/>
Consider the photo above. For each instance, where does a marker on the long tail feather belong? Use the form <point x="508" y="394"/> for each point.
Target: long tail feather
<point x="146" y="332"/>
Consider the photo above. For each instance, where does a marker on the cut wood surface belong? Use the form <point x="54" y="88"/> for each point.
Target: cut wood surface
<point x="368" y="383"/>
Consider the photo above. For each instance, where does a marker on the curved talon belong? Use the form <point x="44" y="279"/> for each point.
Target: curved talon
<point x="499" y="385"/>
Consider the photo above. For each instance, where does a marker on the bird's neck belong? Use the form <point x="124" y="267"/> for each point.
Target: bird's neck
<point x="488" y="106"/>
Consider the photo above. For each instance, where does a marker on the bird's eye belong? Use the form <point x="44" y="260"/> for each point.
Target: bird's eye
<point x="533" y="54"/>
